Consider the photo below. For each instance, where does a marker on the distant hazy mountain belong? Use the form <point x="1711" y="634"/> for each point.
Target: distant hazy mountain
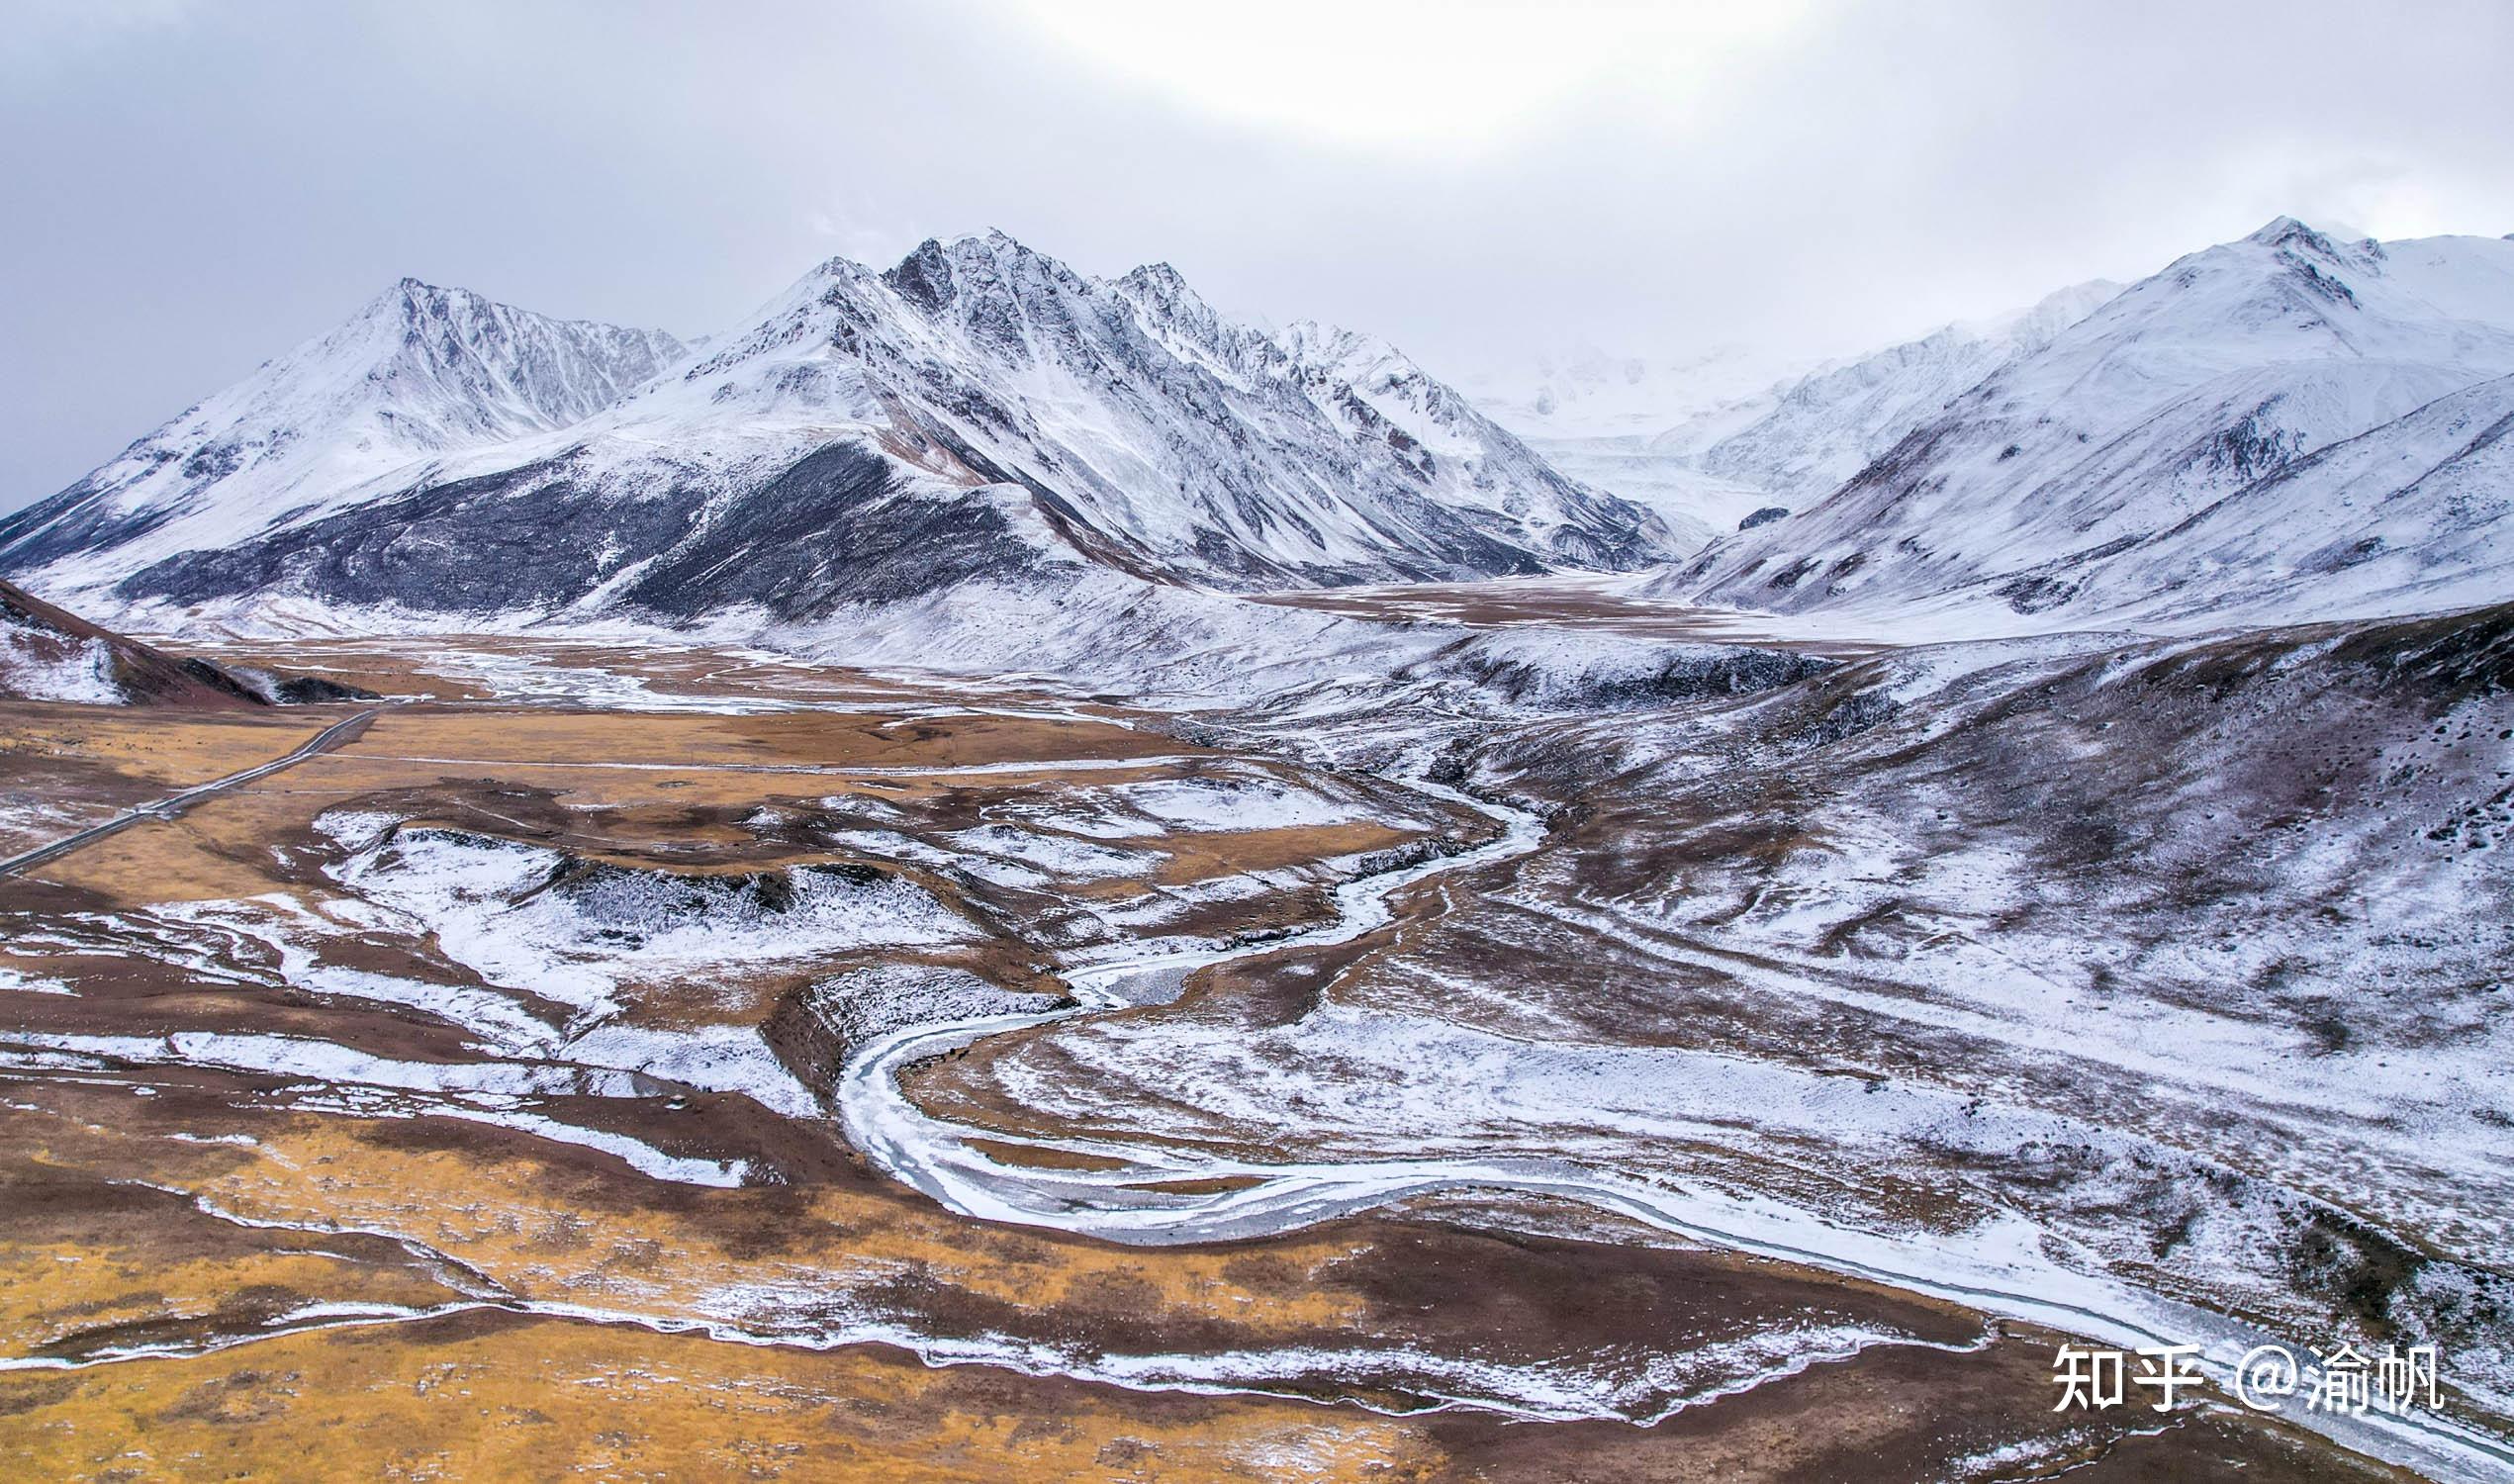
<point x="1833" y="422"/>
<point x="1604" y="420"/>
<point x="1583" y="392"/>
<point x="980" y="413"/>
<point x="1710" y="440"/>
<point x="2281" y="428"/>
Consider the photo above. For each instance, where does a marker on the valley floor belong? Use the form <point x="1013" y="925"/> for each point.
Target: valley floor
<point x="556" y="1075"/>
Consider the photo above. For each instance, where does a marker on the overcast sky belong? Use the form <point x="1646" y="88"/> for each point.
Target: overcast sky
<point x="191" y="188"/>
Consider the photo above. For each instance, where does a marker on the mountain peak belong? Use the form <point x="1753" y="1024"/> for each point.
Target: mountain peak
<point x="412" y="305"/>
<point x="2281" y="231"/>
<point x="1159" y="276"/>
<point x="992" y="243"/>
<point x="1164" y="291"/>
<point x="405" y="293"/>
<point x="1347" y="354"/>
<point x="416" y="373"/>
<point x="941" y="270"/>
<point x="2171" y="440"/>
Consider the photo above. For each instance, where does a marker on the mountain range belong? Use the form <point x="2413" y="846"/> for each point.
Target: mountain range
<point x="1804" y="437"/>
<point x="978" y="413"/>
<point x="980" y="451"/>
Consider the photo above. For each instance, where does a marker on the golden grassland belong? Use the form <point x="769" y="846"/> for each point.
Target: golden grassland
<point x="496" y="1394"/>
<point x="509" y="1397"/>
<point x="211" y="1212"/>
<point x="173" y="749"/>
<point x="635" y="784"/>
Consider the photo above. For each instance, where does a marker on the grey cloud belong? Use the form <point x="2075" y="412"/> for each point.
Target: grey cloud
<point x="194" y="189"/>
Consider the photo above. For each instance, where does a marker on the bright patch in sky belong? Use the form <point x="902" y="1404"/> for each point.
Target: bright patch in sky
<point x="1405" y="73"/>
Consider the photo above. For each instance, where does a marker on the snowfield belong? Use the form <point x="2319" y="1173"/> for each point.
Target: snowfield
<point x="532" y="919"/>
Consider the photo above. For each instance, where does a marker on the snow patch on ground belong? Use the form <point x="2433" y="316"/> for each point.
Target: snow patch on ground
<point x="1055" y="854"/>
<point x="28" y="822"/>
<point x="863" y="1005"/>
<point x="710" y="1058"/>
<point x="27" y="984"/>
<point x="1214" y="802"/>
<point x="81" y="671"/>
<point x="535" y="919"/>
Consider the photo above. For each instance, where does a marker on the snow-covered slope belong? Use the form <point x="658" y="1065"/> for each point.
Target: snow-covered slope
<point x="2157" y="460"/>
<point x="418" y="372"/>
<point x="1709" y="441"/>
<point x="47" y="654"/>
<point x="1833" y="422"/>
<point x="978" y="414"/>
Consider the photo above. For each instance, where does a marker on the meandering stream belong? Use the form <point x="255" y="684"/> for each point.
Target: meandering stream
<point x="2000" y="1268"/>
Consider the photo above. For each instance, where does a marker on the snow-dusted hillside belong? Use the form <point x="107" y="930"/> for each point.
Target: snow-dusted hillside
<point x="980" y="414"/>
<point x="47" y="654"/>
<point x="2278" y="428"/>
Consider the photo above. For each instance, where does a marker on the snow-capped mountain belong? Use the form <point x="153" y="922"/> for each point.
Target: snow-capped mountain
<point x="977" y="413"/>
<point x="416" y="374"/>
<point x="2287" y="426"/>
<point x="1202" y="443"/>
